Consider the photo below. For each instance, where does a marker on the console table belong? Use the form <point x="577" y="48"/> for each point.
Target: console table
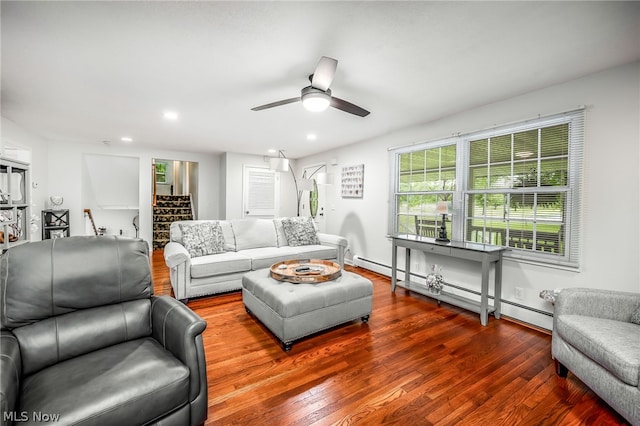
<point x="486" y="254"/>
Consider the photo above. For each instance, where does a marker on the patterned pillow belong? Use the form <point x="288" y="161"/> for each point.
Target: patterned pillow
<point x="635" y="317"/>
<point x="202" y="239"/>
<point x="300" y="231"/>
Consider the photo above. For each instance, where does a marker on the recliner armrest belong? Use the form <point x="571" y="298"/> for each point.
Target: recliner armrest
<point x="179" y="330"/>
<point x="175" y="254"/>
<point x="10" y="374"/>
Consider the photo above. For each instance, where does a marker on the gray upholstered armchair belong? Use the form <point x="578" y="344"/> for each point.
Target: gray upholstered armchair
<point x="84" y="341"/>
<point x="594" y="338"/>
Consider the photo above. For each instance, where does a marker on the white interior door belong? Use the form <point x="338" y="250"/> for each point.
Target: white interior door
<point x="260" y="192"/>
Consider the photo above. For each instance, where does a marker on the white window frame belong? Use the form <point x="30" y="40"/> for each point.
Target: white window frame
<point x="575" y="119"/>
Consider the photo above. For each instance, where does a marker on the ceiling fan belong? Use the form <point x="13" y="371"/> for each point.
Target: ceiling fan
<point x="317" y="96"/>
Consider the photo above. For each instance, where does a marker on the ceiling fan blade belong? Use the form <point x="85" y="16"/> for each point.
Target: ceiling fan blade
<point x="275" y="104"/>
<point x="348" y="107"/>
<point x="323" y="75"/>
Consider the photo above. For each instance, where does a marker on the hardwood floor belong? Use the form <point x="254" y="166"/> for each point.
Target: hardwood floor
<point x="413" y="363"/>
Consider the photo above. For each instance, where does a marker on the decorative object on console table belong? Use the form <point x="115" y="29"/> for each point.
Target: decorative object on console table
<point x="55" y="223"/>
<point x="443" y="209"/>
<point x="435" y="280"/>
<point x="15" y="208"/>
<point x="353" y="181"/>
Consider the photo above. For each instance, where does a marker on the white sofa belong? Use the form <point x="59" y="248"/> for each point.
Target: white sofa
<point x="249" y="244"/>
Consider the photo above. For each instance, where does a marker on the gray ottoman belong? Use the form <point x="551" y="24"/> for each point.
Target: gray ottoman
<point x="292" y="311"/>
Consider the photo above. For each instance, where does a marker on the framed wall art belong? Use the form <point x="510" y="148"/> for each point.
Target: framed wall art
<point x="353" y="181"/>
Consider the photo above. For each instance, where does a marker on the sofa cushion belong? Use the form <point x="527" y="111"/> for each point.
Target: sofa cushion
<point x="67" y="336"/>
<point x="120" y="384"/>
<point x="202" y="239"/>
<point x="315" y="251"/>
<point x="68" y="286"/>
<point x="219" y="264"/>
<point x="267" y="256"/>
<point x="175" y="232"/>
<point x="282" y="237"/>
<point x="613" y="344"/>
<point x="300" y="231"/>
<point x="254" y="233"/>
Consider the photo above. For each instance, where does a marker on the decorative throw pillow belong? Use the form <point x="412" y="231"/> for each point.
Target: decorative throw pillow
<point x="300" y="231"/>
<point x="202" y="239"/>
<point x="635" y="317"/>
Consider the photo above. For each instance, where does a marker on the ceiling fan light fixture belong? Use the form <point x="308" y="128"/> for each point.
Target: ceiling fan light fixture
<point x="315" y="100"/>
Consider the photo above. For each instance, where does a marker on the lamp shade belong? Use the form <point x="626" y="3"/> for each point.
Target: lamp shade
<point x="278" y="164"/>
<point x="442" y="208"/>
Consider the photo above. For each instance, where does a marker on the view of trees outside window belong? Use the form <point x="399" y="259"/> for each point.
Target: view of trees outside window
<point x="512" y="187"/>
<point x="161" y="172"/>
<point x="425" y="177"/>
<point x="517" y="189"/>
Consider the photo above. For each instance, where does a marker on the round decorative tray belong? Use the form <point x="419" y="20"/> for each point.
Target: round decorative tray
<point x="305" y="271"/>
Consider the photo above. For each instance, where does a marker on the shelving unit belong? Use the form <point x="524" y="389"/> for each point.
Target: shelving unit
<point x="55" y="224"/>
<point x="15" y="208"/>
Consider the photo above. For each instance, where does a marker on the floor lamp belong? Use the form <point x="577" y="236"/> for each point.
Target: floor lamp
<point x="282" y="164"/>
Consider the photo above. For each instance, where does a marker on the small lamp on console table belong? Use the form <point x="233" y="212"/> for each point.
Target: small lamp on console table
<point x="443" y="209"/>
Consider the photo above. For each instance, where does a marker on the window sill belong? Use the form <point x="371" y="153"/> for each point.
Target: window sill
<point x="553" y="264"/>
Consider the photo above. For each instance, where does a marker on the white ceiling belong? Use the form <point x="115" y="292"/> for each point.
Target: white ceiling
<point x="96" y="71"/>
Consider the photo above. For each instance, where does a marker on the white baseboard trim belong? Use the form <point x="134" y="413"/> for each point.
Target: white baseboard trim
<point x="522" y="313"/>
<point x="374" y="266"/>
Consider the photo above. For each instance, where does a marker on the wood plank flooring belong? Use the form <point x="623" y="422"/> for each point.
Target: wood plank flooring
<point x="413" y="363"/>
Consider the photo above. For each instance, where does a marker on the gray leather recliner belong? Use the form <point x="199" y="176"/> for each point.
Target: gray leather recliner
<point x="84" y="341"/>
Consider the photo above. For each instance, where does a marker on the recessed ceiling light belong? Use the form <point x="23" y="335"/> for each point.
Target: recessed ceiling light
<point x="271" y="151"/>
<point x="170" y="115"/>
<point x="126" y="139"/>
<point x="312" y="137"/>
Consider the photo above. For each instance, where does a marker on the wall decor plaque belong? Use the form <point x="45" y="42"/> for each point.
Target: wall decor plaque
<point x="353" y="181"/>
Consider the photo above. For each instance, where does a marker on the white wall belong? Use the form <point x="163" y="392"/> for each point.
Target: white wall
<point x="233" y="165"/>
<point x="65" y="178"/>
<point x="57" y="168"/>
<point x="610" y="241"/>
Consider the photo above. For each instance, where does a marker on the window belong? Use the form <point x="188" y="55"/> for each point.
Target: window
<point x="425" y="177"/>
<point x="161" y="172"/>
<point x="260" y="192"/>
<point x="516" y="186"/>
